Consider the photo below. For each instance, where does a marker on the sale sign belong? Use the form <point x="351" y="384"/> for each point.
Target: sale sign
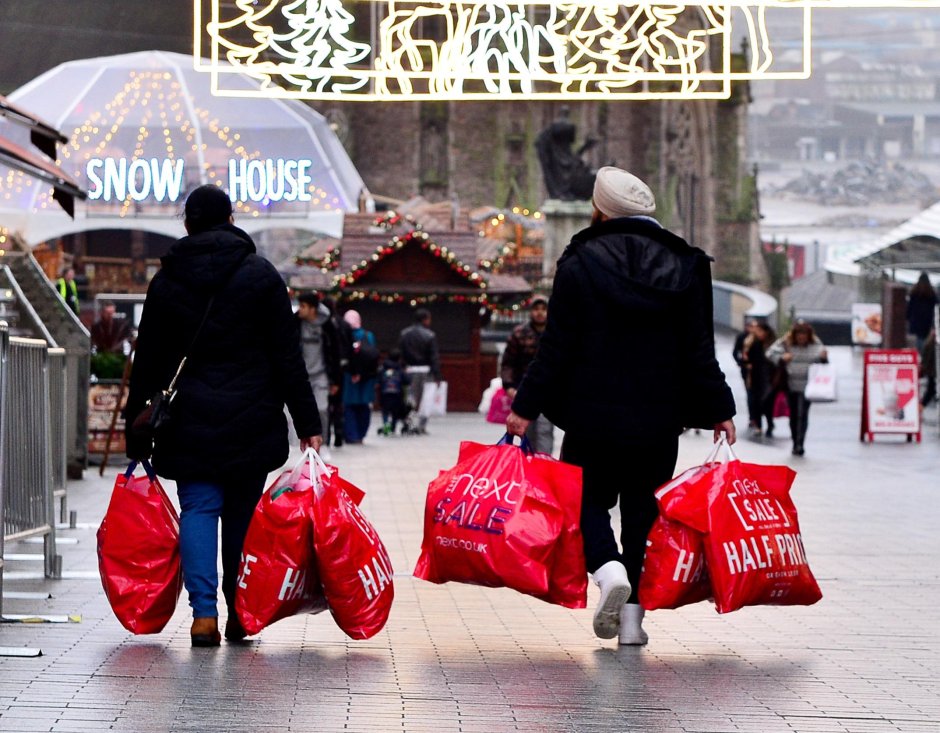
<point x="890" y="393"/>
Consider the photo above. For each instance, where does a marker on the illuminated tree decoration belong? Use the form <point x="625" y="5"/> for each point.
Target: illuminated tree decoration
<point x="317" y="41"/>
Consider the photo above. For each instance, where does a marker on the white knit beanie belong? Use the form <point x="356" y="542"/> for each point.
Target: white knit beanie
<point x="618" y="193"/>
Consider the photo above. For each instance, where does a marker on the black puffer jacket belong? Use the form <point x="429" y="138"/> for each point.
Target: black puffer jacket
<point x="228" y="415"/>
<point x="629" y="349"/>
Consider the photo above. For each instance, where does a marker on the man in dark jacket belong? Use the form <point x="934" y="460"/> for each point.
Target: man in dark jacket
<point x="227" y="310"/>
<point x="337" y="410"/>
<point x="419" y="354"/>
<point x="521" y="347"/>
<point x="322" y="354"/>
<point x="626" y="362"/>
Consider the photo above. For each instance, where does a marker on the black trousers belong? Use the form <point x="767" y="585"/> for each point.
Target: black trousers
<point x="799" y="417"/>
<point x="337" y="420"/>
<point x="627" y="471"/>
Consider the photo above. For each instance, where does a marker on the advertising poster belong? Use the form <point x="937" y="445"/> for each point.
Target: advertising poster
<point x="101" y="400"/>
<point x="891" y="402"/>
<point x="866" y="324"/>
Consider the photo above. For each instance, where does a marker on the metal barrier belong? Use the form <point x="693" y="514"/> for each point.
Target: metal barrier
<point x="28" y="446"/>
<point x="58" y="428"/>
<point x="4" y="354"/>
<point x="734" y="304"/>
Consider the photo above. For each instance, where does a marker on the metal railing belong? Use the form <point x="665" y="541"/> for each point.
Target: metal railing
<point x="41" y="311"/>
<point x="32" y="381"/>
<point x="4" y="361"/>
<point x="58" y="428"/>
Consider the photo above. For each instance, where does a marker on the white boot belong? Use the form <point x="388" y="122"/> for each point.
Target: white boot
<point x="631" y="625"/>
<point x="612" y="579"/>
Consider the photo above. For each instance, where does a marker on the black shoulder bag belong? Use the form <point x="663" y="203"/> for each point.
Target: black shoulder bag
<point x="156" y="413"/>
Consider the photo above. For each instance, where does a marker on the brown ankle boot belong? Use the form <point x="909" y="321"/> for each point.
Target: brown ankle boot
<point x="205" y="631"/>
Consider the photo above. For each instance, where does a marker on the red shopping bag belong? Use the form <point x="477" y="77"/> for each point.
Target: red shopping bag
<point x="500" y="407"/>
<point x="354" y="566"/>
<point x="781" y="405"/>
<point x="278" y="576"/>
<point x="567" y="575"/>
<point x="567" y="579"/>
<point x="753" y="546"/>
<point x="674" y="572"/>
<point x="502" y="518"/>
<point x="138" y="552"/>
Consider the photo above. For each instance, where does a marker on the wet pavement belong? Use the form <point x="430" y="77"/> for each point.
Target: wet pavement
<point x="458" y="658"/>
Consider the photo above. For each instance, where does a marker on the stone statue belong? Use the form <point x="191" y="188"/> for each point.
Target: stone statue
<point x="567" y="176"/>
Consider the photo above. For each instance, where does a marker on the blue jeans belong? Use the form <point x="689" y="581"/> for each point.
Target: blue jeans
<point x="202" y="505"/>
<point x="357" y="421"/>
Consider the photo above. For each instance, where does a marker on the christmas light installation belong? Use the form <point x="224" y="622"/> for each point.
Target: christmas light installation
<point x="398" y="242"/>
<point x="484" y="49"/>
<point x="161" y="149"/>
<point x="330" y="260"/>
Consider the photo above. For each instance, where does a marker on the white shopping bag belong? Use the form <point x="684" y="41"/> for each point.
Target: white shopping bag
<point x="487" y="399"/>
<point x="433" y="399"/>
<point x="821" y="384"/>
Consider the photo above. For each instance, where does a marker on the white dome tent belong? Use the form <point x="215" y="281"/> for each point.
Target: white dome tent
<point x="144" y="129"/>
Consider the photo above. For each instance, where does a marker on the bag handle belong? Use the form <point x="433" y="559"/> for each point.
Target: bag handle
<point x="721" y="443"/>
<point x="524" y="444"/>
<point x="318" y="469"/>
<point x="132" y="466"/>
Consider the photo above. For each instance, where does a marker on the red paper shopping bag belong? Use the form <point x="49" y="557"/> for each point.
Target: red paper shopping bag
<point x="355" y="570"/>
<point x="138" y="552"/>
<point x="753" y="545"/>
<point x="278" y="575"/>
<point x="674" y="572"/>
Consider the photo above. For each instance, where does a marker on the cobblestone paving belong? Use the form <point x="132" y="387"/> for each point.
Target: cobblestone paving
<point x="458" y="658"/>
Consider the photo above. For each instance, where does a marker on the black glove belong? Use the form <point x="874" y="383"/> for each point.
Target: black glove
<point x="136" y="448"/>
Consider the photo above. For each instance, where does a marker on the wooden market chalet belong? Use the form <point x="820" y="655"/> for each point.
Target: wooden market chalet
<point x="387" y="265"/>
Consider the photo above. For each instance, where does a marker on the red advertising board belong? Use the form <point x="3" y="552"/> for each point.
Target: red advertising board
<point x="890" y="401"/>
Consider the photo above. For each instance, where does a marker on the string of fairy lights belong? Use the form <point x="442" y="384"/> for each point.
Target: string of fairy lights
<point x="414" y="235"/>
<point x="398" y="242"/>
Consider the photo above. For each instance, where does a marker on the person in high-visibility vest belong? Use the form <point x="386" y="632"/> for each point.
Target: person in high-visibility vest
<point x="68" y="289"/>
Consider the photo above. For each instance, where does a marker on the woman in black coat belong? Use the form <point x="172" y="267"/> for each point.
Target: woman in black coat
<point x="921" y="303"/>
<point x="227" y="428"/>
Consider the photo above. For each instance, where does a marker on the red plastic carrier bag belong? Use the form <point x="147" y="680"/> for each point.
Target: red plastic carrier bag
<point x="500" y="407"/>
<point x="504" y="517"/>
<point x="138" y="552"/>
<point x="753" y="545"/>
<point x="278" y="575"/>
<point x="354" y="566"/>
<point x="674" y="572"/>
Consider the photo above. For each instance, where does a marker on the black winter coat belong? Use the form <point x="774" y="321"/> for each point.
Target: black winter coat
<point x="228" y="414"/>
<point x="628" y="350"/>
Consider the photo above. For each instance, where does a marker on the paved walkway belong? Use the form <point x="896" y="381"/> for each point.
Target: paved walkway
<point x="460" y="658"/>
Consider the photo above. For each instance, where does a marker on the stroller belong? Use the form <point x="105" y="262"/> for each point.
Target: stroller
<point x="407" y="417"/>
